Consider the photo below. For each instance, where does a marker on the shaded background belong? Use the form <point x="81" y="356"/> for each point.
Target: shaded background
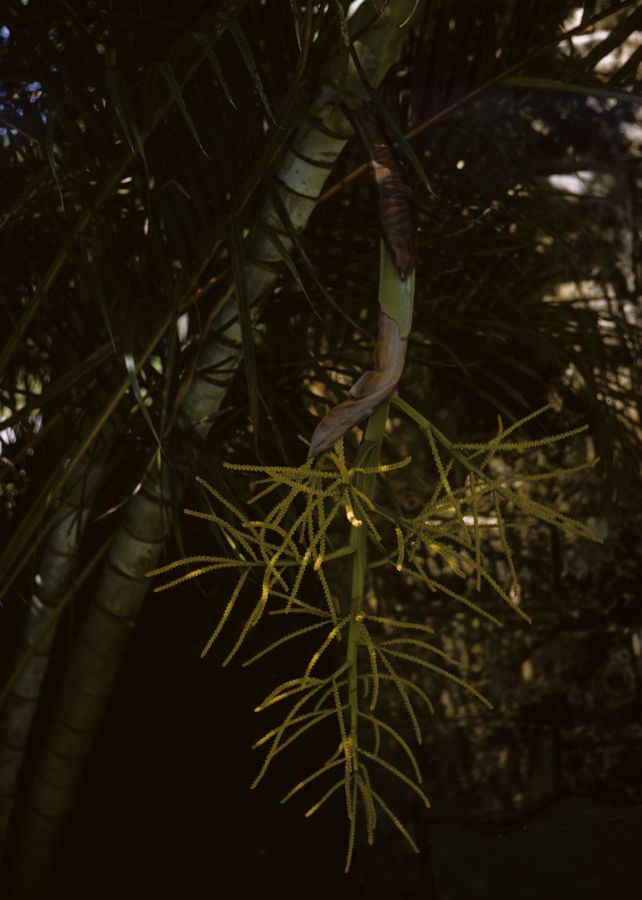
<point x="527" y="293"/>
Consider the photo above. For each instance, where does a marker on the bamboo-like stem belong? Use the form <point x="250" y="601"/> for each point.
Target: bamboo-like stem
<point x="58" y="558"/>
<point x="298" y="185"/>
<point x="140" y="537"/>
<point x="55" y="573"/>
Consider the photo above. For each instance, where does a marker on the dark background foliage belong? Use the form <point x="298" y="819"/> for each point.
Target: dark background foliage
<point x="119" y="189"/>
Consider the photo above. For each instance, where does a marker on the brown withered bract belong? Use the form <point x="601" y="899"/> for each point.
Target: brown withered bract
<point x="393" y="194"/>
<point x="368" y="391"/>
<point x="397" y="225"/>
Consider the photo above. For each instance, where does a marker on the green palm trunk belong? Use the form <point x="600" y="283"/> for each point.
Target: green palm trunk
<point x="58" y="559"/>
<point x="55" y="574"/>
<point x="139" y="539"/>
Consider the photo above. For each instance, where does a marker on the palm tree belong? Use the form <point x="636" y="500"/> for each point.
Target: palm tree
<point x="174" y="174"/>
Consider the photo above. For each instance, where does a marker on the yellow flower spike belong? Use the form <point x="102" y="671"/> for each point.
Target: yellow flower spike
<point x="400" y="548"/>
<point x="333" y="634"/>
<point x="329" y="599"/>
<point x="265" y="592"/>
<point x="350" y="516"/>
<point x="338" y="458"/>
<point x="382" y="468"/>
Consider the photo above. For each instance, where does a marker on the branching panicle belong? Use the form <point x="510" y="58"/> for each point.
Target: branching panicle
<point x="307" y="521"/>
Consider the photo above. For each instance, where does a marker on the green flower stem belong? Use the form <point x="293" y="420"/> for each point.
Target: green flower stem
<point x="369" y="453"/>
<point x="395" y="296"/>
<point x="395" y="300"/>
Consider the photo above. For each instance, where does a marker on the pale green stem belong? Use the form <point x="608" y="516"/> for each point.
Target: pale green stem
<point x="396" y="300"/>
<point x="368" y="456"/>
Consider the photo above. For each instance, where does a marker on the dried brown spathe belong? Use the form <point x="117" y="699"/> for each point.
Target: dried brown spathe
<point x="395" y="213"/>
<point x="368" y="391"/>
<point x="393" y="194"/>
